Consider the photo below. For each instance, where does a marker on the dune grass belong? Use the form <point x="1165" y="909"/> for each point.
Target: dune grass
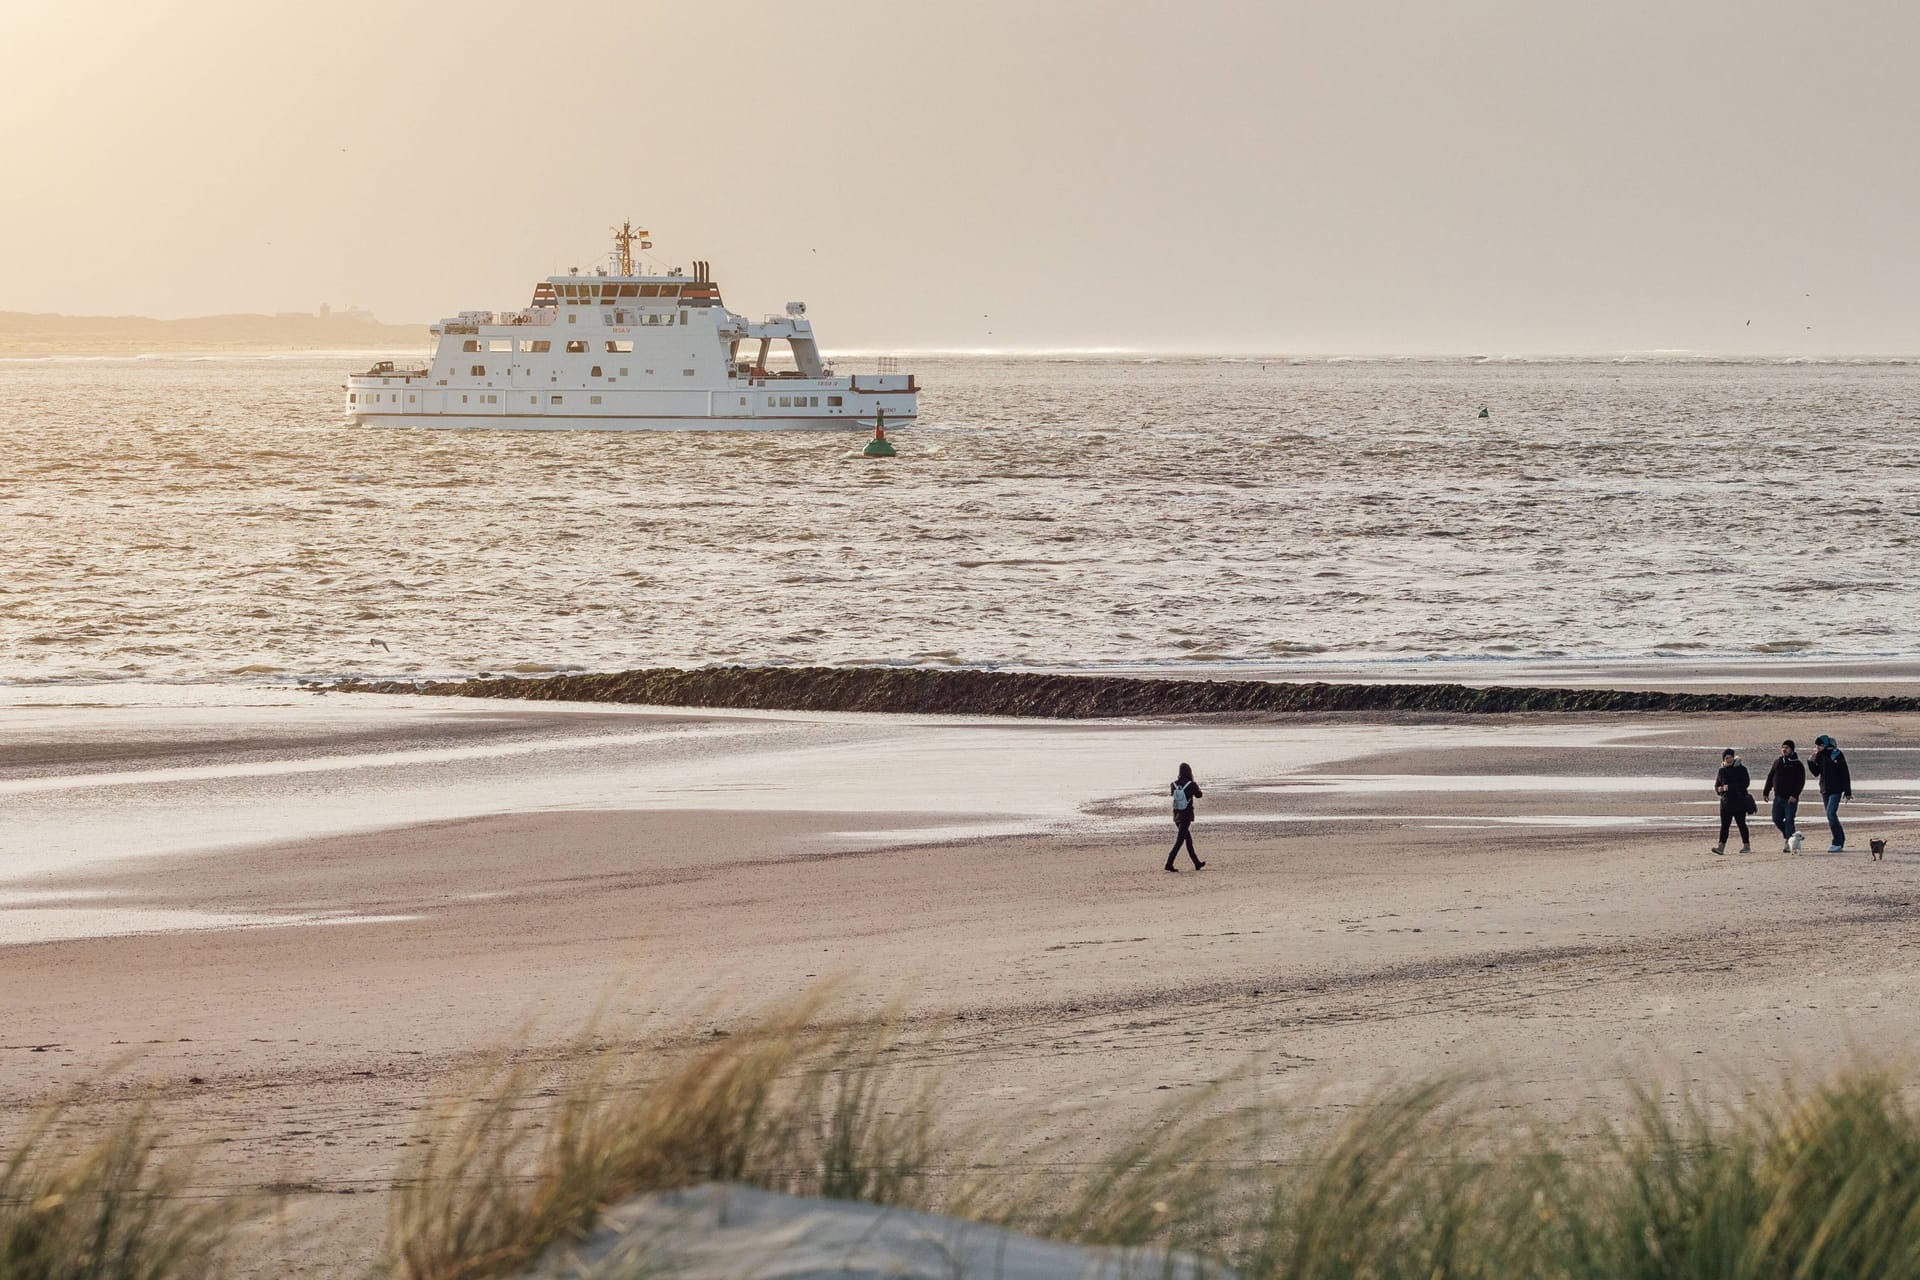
<point x="1418" y="1182"/>
<point x="112" y="1206"/>
<point x="789" y="1105"/>
<point x="1421" y="1182"/>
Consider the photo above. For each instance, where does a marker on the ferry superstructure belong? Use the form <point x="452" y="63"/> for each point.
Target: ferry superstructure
<point x="616" y="349"/>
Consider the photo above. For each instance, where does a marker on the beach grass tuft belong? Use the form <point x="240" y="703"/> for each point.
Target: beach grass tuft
<point x="1424" y="1180"/>
<point x="789" y="1104"/>
<point x="115" y="1205"/>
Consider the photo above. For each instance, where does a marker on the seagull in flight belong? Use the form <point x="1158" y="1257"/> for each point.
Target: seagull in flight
<point x="382" y="643"/>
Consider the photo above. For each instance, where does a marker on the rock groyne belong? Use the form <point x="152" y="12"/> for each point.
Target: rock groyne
<point x="1085" y="697"/>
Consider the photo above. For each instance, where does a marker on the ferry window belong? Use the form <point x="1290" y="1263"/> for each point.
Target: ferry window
<point x="493" y="399"/>
<point x="576" y="346"/>
<point x="571" y="317"/>
<point x="786" y="402"/>
<point x="500" y="344"/>
<point x="553" y="399"/>
<point x="833" y="402"/>
<point x="649" y="290"/>
<point x="540" y="346"/>
<point x="596" y="372"/>
<point x="410" y="397"/>
<point x="683" y="317"/>
<point x="353" y="397"/>
<point x="471" y="344"/>
<point x="813" y="402"/>
<point x="533" y="399"/>
<point x="594" y="399"/>
<point x="478" y="371"/>
<point x="686" y="373"/>
<point x="623" y="371"/>
<point x="629" y="290"/>
<point x="463" y="399"/>
<point x="619" y="348"/>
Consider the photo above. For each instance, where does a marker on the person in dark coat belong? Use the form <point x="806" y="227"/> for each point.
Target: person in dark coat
<point x="1185" y="792"/>
<point x="1736" y="800"/>
<point x="1786" y="779"/>
<point x="1829" y="764"/>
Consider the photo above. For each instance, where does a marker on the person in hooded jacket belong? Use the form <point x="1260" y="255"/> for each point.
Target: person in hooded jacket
<point x="1829" y="764"/>
<point x="1786" y="779"/>
<point x="1736" y="800"/>
<point x="1185" y="792"/>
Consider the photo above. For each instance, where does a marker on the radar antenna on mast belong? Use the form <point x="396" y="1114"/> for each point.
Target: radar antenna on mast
<point x="626" y="237"/>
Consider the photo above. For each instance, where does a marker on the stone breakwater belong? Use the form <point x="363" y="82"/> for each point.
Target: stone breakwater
<point x="1082" y="697"/>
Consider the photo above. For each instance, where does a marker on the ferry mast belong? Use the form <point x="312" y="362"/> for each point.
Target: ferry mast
<point x="626" y="237"/>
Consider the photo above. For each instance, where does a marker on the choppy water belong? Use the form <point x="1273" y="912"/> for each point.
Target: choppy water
<point x="215" y="519"/>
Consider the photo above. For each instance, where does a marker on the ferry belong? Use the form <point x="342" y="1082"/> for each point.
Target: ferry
<point x="618" y="349"/>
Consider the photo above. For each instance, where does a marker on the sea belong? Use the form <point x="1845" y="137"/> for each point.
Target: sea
<point x="217" y="519"/>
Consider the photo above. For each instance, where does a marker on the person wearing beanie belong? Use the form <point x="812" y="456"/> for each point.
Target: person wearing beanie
<point x="1736" y="800"/>
<point x="1829" y="764"/>
<point x="1785" y="781"/>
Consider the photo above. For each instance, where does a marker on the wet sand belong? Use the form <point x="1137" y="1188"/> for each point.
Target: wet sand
<point x="1531" y="897"/>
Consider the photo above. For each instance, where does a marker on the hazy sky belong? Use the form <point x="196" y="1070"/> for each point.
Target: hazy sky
<point x="1534" y="175"/>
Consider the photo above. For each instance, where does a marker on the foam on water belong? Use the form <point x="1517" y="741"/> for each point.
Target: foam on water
<point x="175" y="519"/>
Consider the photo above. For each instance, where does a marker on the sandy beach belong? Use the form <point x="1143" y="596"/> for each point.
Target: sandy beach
<point x="297" y="914"/>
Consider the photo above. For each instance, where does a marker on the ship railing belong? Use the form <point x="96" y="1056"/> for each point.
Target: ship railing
<point x="387" y="369"/>
<point x="537" y="316"/>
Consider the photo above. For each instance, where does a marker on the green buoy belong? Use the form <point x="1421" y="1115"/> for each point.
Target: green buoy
<point x="879" y="446"/>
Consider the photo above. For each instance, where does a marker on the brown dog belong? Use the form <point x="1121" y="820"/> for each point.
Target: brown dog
<point x="1879" y="848"/>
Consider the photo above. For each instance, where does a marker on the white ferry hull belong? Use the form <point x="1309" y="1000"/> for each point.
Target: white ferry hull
<point x="550" y="422"/>
<point x="628" y="351"/>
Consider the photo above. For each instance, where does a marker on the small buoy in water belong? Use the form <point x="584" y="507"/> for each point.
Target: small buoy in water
<point x="879" y="446"/>
<point x="1484" y="413"/>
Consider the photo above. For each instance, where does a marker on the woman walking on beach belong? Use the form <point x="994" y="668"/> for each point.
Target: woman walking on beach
<point x="1829" y="764"/>
<point x="1185" y="792"/>
<point x="1736" y="801"/>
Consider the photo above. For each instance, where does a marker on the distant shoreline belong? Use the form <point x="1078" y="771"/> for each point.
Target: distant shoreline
<point x="1085" y="697"/>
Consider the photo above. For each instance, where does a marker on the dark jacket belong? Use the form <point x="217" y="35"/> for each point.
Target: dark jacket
<point x="1190" y="791"/>
<point x="1787" y="776"/>
<point x="1732" y="782"/>
<point x="1829" y="764"/>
